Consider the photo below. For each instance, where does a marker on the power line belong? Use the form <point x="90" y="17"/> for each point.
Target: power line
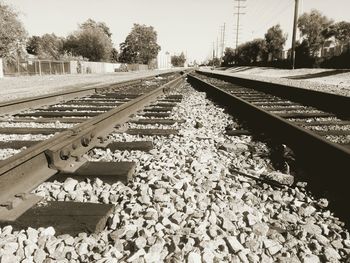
<point x="276" y="15"/>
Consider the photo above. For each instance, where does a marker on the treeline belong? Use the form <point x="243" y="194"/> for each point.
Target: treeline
<point x="91" y="41"/>
<point x="316" y="31"/>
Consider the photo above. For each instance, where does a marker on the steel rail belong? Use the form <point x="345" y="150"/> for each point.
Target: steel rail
<point x="328" y="161"/>
<point x="24" y="171"/>
<point x="15" y="106"/>
<point x="329" y="102"/>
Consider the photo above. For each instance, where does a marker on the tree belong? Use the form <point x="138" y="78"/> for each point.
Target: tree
<point x="90" y="23"/>
<point x="12" y="34"/>
<point x="229" y="56"/>
<point x="275" y="40"/>
<point x="251" y="52"/>
<point x="214" y="62"/>
<point x="178" y="61"/>
<point x="92" y="40"/>
<point x="33" y="45"/>
<point x="114" y="55"/>
<point x="340" y="31"/>
<point x="311" y="26"/>
<point x="47" y="46"/>
<point x="140" y="46"/>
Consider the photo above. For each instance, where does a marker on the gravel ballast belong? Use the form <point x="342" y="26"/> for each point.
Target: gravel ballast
<point x="327" y="80"/>
<point x="184" y="205"/>
<point x="339" y="85"/>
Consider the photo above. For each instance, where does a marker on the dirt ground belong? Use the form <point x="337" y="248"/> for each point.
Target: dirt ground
<point x="21" y="87"/>
<point x="327" y="80"/>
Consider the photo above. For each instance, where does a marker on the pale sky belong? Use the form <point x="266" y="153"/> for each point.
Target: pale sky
<point x="182" y="25"/>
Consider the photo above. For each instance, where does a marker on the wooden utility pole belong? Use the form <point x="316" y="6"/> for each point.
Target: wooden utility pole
<point x="238" y="13"/>
<point x="222" y="40"/>
<point x="294" y="32"/>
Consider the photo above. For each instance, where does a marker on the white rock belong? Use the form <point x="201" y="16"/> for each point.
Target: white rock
<point x="137" y="255"/>
<point x="10" y="247"/>
<point x="32" y="234"/>
<point x="140" y="242"/>
<point x="82" y="249"/>
<point x="233" y="244"/>
<point x="69" y="184"/>
<point x="50" y="231"/>
<point x="39" y="255"/>
<point x="331" y="254"/>
<point x="194" y="257"/>
<point x="310" y="258"/>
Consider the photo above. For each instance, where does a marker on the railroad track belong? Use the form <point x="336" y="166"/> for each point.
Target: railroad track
<point x="184" y="201"/>
<point x="314" y="124"/>
<point x="51" y="137"/>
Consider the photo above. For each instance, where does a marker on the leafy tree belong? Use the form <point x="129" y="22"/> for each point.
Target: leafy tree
<point x="214" y="62"/>
<point x="311" y="26"/>
<point x="90" y="23"/>
<point x="92" y="40"/>
<point x="47" y="46"/>
<point x="178" y="61"/>
<point x="251" y="52"/>
<point x="229" y="56"/>
<point x="33" y="45"/>
<point x="275" y="40"/>
<point x="114" y="55"/>
<point x="12" y="33"/>
<point x="140" y="46"/>
<point x="340" y="31"/>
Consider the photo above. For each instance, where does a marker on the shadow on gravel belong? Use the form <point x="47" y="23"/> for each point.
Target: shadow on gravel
<point x="320" y="74"/>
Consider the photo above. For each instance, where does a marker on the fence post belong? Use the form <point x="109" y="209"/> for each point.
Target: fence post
<point x="40" y="67"/>
<point x="1" y="69"/>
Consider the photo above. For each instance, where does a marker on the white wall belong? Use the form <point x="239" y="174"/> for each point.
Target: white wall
<point x="93" y="67"/>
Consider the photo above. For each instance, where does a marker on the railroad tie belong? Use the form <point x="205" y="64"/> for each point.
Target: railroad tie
<point x="155" y="114"/>
<point x="66" y="217"/>
<point x="238" y="132"/>
<point x="153" y="132"/>
<point x="130" y="146"/>
<point x="27" y="130"/>
<point x="156" y="121"/>
<point x="108" y="172"/>
<point x="17" y="144"/>
<point x="158" y="109"/>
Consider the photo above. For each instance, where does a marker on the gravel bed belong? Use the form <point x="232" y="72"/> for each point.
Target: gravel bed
<point x="56" y="124"/>
<point x="310" y="120"/>
<point x="328" y="127"/>
<point x="185" y="206"/>
<point x="24" y="137"/>
<point x="295" y="111"/>
<point x="319" y="84"/>
<point x="151" y="126"/>
<point x="7" y="153"/>
<point x="287" y="107"/>
<point x="341" y="139"/>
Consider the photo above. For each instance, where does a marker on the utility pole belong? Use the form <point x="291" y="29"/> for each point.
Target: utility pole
<point x="213" y="54"/>
<point x="238" y="8"/>
<point x="222" y="39"/>
<point x="217" y="47"/>
<point x="294" y="32"/>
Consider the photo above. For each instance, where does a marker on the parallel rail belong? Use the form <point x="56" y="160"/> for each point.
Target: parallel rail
<point x="14" y="106"/>
<point x="24" y="171"/>
<point x="328" y="163"/>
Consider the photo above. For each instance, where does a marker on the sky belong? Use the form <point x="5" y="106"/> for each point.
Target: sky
<point x="190" y="26"/>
